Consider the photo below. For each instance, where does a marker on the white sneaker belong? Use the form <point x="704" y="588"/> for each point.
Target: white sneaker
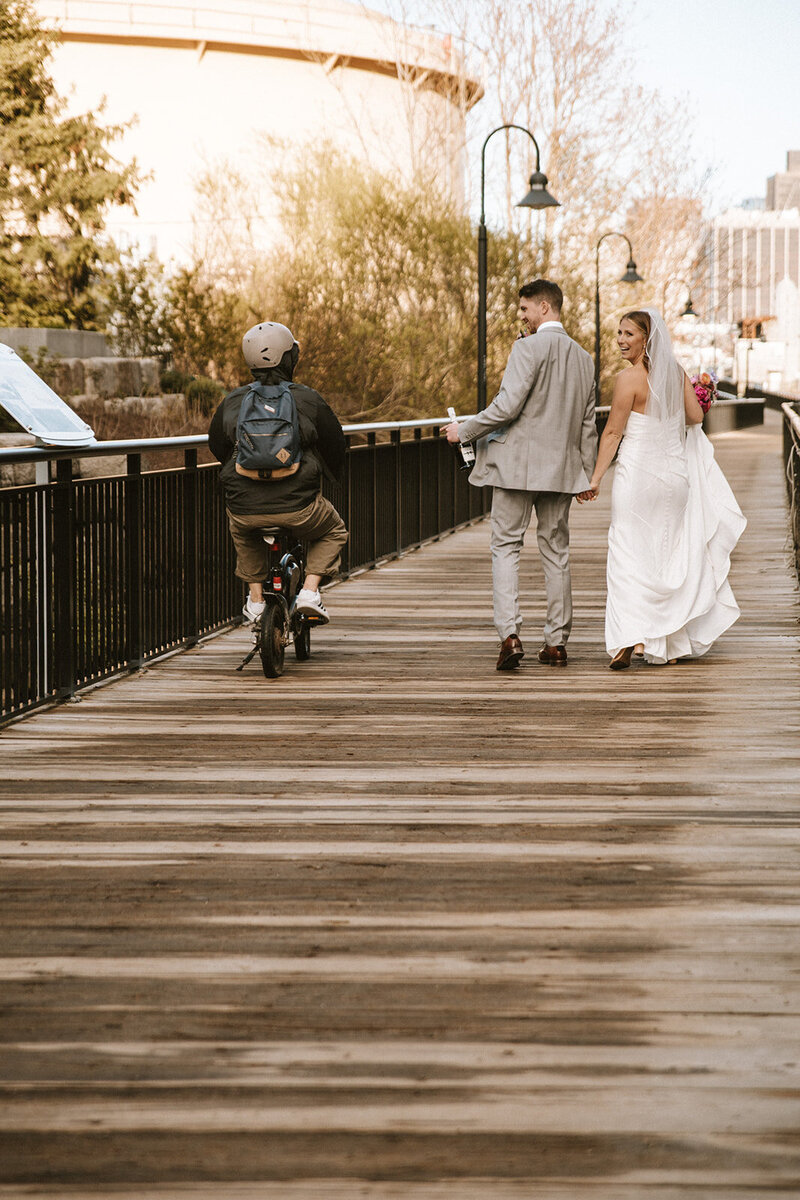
<point x="311" y="603"/>
<point x="254" y="609"/>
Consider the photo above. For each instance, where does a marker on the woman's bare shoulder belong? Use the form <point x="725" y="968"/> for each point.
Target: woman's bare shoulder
<point x="631" y="381"/>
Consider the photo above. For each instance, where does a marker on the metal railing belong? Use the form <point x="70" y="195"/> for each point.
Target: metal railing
<point x="100" y="575"/>
<point x="791" y="455"/>
<point x="788" y="405"/>
<point x="773" y="400"/>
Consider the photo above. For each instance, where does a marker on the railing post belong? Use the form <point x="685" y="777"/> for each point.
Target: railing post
<point x="418" y="440"/>
<point x="398" y="491"/>
<point x="191" y="572"/>
<point x="371" y="442"/>
<point x="134" y="561"/>
<point x="437" y="440"/>
<point x="44" y="530"/>
<point x="348" y="515"/>
<point x="63" y="612"/>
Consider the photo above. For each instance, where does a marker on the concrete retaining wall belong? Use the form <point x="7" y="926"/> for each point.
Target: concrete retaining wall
<point x="66" y="343"/>
<point x="725" y="418"/>
<point x="103" y="378"/>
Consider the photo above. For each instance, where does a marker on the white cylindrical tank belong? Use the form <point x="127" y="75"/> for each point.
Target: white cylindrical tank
<point x="201" y="82"/>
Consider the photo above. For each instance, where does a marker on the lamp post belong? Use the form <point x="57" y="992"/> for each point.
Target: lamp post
<point x="747" y="365"/>
<point x="631" y="276"/>
<point x="537" y="197"/>
<point x="688" y="310"/>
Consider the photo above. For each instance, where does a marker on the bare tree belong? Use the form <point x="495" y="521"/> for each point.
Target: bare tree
<point x="563" y="71"/>
<point x="231" y="227"/>
<point x="614" y="154"/>
<point x="667" y="232"/>
<point x="438" y="81"/>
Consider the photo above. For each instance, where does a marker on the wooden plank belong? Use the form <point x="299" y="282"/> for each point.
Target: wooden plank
<point x="397" y="925"/>
<point x="355" y="1189"/>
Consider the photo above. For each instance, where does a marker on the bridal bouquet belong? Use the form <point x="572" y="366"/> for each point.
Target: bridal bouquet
<point x="705" y="388"/>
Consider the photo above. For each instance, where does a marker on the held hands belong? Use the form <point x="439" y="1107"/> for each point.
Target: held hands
<point x="451" y="432"/>
<point x="591" y="493"/>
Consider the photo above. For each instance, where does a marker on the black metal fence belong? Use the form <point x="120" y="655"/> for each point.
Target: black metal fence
<point x="791" y="456"/>
<point x="789" y="408"/>
<point x="100" y="575"/>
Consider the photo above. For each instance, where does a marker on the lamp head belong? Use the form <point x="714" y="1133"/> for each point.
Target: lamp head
<point x="631" y="274"/>
<point x="689" y="311"/>
<point x="538" y="196"/>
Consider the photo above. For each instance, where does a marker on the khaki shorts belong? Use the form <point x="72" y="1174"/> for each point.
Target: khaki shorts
<point x="318" y="525"/>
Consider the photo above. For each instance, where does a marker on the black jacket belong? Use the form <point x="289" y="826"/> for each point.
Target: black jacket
<point x="321" y="438"/>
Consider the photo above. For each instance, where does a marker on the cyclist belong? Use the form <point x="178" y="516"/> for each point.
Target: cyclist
<point x="256" y="500"/>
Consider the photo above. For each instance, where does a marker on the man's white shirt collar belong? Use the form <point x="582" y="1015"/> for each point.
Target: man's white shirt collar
<point x="550" y="325"/>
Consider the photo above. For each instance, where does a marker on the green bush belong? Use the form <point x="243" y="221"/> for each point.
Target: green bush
<point x="204" y="323"/>
<point x="204" y="394"/>
<point x="58" y="183"/>
<point x="173" y="380"/>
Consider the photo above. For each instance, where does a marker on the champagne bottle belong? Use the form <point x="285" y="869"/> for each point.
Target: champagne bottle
<point x="466" y="448"/>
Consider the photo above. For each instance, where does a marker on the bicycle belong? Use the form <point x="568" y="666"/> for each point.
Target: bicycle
<point x="280" y="623"/>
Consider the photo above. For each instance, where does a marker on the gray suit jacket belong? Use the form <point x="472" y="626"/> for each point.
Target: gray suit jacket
<point x="539" y="433"/>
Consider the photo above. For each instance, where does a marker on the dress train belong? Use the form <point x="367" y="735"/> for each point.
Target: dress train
<point x="674" y="524"/>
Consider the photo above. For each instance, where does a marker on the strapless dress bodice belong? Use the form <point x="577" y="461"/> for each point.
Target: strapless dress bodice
<point x="666" y="436"/>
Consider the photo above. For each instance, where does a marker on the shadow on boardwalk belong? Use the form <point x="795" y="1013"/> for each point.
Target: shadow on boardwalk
<point x="400" y="926"/>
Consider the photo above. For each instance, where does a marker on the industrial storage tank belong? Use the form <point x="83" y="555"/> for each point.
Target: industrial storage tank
<point x="202" y="81"/>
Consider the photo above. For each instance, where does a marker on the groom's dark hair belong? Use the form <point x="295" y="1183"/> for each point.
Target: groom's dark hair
<point x="543" y="289"/>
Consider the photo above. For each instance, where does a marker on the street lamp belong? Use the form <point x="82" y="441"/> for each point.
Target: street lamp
<point x="631" y="276"/>
<point x="688" y="310"/>
<point x="747" y="365"/>
<point x="537" y="197"/>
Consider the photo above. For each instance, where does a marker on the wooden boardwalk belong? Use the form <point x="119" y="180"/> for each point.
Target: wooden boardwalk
<point x="400" y="927"/>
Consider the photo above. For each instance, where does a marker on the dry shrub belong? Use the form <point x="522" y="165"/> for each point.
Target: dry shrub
<point x="112" y="422"/>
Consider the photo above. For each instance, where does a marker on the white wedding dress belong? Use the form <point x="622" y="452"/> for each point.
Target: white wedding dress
<point x="674" y="524"/>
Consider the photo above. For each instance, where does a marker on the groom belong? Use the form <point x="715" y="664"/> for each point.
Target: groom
<point x="537" y="444"/>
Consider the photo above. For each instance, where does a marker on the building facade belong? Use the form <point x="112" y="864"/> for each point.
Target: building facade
<point x="202" y="83"/>
<point x="783" y="189"/>
<point x="752" y="251"/>
<point x="753" y="257"/>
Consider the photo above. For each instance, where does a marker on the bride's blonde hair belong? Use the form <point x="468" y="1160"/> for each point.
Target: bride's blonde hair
<point x="642" y="322"/>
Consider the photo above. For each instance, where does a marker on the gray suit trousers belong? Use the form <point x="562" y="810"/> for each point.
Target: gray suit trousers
<point x="511" y="515"/>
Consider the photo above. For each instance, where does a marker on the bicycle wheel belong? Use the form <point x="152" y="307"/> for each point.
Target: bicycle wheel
<point x="302" y="640"/>
<point x="271" y="642"/>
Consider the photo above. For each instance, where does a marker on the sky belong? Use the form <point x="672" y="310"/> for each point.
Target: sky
<point x="736" y="66"/>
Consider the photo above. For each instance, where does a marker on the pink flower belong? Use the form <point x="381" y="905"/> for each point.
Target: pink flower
<point x="705" y="388"/>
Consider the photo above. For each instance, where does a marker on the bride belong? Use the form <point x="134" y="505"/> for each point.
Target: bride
<point x="674" y="519"/>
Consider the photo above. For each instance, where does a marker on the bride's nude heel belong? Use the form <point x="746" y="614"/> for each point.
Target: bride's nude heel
<point x="621" y="660"/>
<point x="638" y="650"/>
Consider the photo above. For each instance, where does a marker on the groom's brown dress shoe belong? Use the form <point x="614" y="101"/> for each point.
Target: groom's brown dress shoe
<point x="554" y="656"/>
<point x="510" y="653"/>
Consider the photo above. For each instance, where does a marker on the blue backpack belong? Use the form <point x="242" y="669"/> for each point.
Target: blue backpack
<point x="268" y="430"/>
